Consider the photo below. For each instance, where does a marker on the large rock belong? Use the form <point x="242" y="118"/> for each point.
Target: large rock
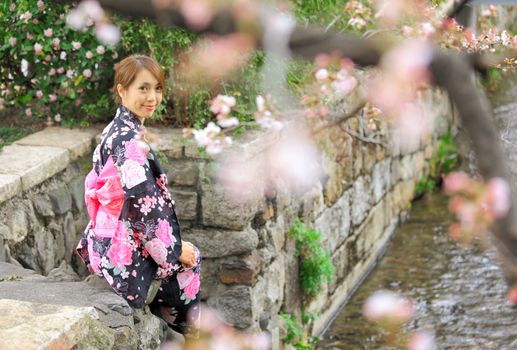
<point x="361" y="199"/>
<point x="26" y="325"/>
<point x="218" y="243"/>
<point x="221" y="211"/>
<point x="334" y="223"/>
<point x="235" y="306"/>
<point x="183" y="173"/>
<point x="76" y="187"/>
<point x="116" y="325"/>
<point x="37" y="164"/>
<point x="381" y="179"/>
<point x="186" y="203"/>
<point x="61" y="200"/>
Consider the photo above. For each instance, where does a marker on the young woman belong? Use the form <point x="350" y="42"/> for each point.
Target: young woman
<point x="133" y="238"/>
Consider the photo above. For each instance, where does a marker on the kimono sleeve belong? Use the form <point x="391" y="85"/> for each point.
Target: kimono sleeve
<point x="153" y="222"/>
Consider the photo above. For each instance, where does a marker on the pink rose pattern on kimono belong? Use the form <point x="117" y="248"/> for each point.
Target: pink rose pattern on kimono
<point x="120" y="252"/>
<point x="135" y="151"/>
<point x="132" y="173"/>
<point x="164" y="232"/>
<point x="192" y="288"/>
<point x="157" y="250"/>
<point x="143" y="242"/>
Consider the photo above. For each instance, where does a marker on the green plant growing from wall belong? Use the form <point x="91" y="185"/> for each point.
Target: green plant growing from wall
<point x="443" y="161"/>
<point x="297" y="334"/>
<point x="315" y="265"/>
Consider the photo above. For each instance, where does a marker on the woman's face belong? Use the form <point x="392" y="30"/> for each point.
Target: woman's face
<point x="143" y="95"/>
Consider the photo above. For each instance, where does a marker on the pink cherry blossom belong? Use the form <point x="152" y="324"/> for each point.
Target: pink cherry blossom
<point x="70" y="73"/>
<point x="100" y="50"/>
<point x="498" y="193"/>
<point x="55" y="43"/>
<point x="222" y="104"/>
<point x="197" y="13"/>
<point x="52" y="97"/>
<point x="322" y="74"/>
<point x="76" y="45"/>
<point x="12" y="41"/>
<point x="41" y="5"/>
<point x="295" y="160"/>
<point x="91" y="9"/>
<point x="260" y="102"/>
<point x="242" y="180"/>
<point x="422" y="340"/>
<point x="57" y="118"/>
<point x="39" y="94"/>
<point x="455" y="182"/>
<point x="88" y="54"/>
<point x="48" y="32"/>
<point x="108" y="34"/>
<point x="76" y="19"/>
<point x="29" y="36"/>
<point x="37" y="48"/>
<point x="28" y="112"/>
<point x="226" y="122"/>
<point x="387" y="305"/>
<point x="87" y="73"/>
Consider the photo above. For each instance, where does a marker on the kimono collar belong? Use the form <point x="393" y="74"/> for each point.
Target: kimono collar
<point x="129" y="118"/>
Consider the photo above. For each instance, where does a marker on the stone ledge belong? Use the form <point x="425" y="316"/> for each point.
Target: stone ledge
<point x="77" y="141"/>
<point x="34" y="164"/>
<point x="42" y="312"/>
<point x="10" y="186"/>
<point x="26" y="325"/>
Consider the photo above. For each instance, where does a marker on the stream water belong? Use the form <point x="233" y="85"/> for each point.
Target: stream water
<point x="458" y="290"/>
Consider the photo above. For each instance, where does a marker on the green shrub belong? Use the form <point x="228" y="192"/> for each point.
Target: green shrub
<point x="46" y="77"/>
<point x="315" y="265"/>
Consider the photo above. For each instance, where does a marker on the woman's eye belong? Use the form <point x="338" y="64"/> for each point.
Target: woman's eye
<point x="159" y="88"/>
<point x="143" y="88"/>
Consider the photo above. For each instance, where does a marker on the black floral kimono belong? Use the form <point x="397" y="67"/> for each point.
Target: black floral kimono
<point x="133" y="235"/>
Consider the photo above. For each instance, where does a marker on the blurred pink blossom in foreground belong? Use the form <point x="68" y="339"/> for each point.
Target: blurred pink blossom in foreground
<point x="498" y="197"/>
<point x="197" y="13"/>
<point x="385" y="305"/>
<point x="214" y="334"/>
<point x="475" y="203"/>
<point x="292" y="162"/>
<point x="422" y="340"/>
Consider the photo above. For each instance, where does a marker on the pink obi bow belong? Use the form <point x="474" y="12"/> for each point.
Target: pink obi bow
<point x="104" y="198"/>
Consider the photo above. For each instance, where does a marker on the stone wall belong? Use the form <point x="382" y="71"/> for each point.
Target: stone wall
<point x="249" y="270"/>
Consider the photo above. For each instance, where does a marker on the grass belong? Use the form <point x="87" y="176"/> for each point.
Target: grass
<point x="9" y="135"/>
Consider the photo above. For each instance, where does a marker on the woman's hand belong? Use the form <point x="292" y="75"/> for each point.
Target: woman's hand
<point x="188" y="254"/>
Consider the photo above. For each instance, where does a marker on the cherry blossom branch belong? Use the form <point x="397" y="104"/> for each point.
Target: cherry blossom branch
<point x="342" y="119"/>
<point x="363" y="138"/>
